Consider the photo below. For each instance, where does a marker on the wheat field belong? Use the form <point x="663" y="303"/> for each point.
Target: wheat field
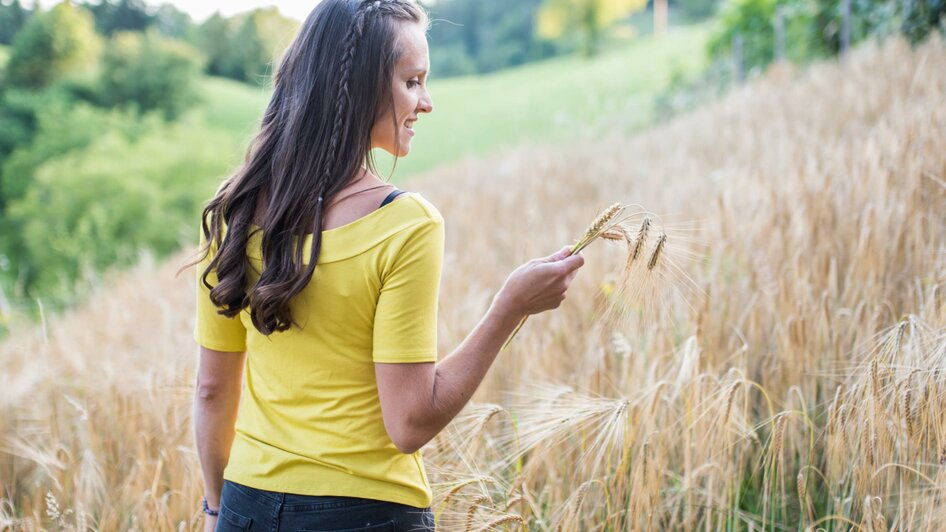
<point x="799" y="384"/>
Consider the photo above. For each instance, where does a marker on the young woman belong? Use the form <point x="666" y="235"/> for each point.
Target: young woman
<point x="342" y="380"/>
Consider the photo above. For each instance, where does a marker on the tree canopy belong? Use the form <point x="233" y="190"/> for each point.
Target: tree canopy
<point x="52" y="45"/>
<point x="588" y="18"/>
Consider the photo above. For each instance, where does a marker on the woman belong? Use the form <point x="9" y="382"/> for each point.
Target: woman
<point x="342" y="383"/>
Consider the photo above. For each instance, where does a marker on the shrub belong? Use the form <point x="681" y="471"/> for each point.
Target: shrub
<point x="52" y="45"/>
<point x="149" y="72"/>
<point x="98" y="207"/>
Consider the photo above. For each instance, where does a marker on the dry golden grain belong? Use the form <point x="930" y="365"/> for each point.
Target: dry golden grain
<point x="598" y="225"/>
<point x="513" y="501"/>
<point x="641" y="239"/>
<point x="504" y="520"/>
<point x="582" y="491"/>
<point x="616" y="233"/>
<point x="777" y="438"/>
<point x="656" y="255"/>
<point x="456" y="489"/>
<point x="730" y="398"/>
<point x="835" y="405"/>
<point x="477" y="503"/>
<point x="908" y="411"/>
<point x="870" y="442"/>
<point x="875" y="380"/>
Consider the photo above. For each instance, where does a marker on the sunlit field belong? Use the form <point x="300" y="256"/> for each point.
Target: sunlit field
<point x="799" y="383"/>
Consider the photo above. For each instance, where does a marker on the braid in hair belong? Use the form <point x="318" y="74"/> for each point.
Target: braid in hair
<point x="304" y="155"/>
<point x="267" y="313"/>
<point x="341" y="127"/>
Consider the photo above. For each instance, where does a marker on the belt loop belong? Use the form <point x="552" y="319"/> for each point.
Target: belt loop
<point x="280" y="500"/>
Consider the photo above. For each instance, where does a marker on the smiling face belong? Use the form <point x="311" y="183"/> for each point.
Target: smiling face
<point x="393" y="130"/>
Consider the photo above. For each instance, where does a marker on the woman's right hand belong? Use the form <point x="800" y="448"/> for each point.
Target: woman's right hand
<point x="540" y="284"/>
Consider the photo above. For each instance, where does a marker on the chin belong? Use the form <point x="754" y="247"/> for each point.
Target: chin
<point x="402" y="152"/>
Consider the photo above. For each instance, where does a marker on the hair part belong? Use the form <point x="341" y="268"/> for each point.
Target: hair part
<point x="331" y="86"/>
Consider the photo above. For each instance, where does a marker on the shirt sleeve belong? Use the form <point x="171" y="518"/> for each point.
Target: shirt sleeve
<point x="405" y="323"/>
<point x="213" y="330"/>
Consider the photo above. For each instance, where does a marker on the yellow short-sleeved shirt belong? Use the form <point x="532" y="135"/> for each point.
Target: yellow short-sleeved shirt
<point x="310" y="419"/>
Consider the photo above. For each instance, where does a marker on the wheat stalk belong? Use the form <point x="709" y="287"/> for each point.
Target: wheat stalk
<point x="641" y="239"/>
<point x="656" y="255"/>
<point x="504" y="520"/>
<point x="597" y="227"/>
<point x="471" y="511"/>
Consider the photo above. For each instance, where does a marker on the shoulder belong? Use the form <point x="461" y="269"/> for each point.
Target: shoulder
<point x="420" y="228"/>
<point x="419" y="209"/>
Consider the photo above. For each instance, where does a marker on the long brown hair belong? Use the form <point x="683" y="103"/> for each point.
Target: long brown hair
<point x="332" y="84"/>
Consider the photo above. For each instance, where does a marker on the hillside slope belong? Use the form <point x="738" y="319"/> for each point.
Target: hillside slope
<point x="820" y="252"/>
<point x="554" y="100"/>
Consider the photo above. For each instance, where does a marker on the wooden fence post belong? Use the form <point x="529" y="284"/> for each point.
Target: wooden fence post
<point x="660" y="17"/>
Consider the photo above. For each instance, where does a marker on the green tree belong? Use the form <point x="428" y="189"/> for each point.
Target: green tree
<point x="150" y="72"/>
<point x="257" y="40"/>
<point x="922" y="17"/>
<point x="53" y="45"/>
<point x="587" y="18"/>
<point x="246" y="46"/>
<point x="473" y="36"/>
<point x="751" y="20"/>
<point x="172" y="22"/>
<point x="12" y="17"/>
<point x="212" y="38"/>
<point x="697" y="9"/>
<point x="123" y="15"/>
<point x="62" y="127"/>
<point x="19" y="109"/>
<point x="813" y="27"/>
<point x="50" y="126"/>
<point x="98" y="207"/>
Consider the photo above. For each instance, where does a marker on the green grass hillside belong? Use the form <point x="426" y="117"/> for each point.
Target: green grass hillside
<point x="4" y="55"/>
<point x="232" y="106"/>
<point x="551" y="101"/>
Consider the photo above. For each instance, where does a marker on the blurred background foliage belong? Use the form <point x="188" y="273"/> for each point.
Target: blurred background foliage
<point x="118" y="117"/>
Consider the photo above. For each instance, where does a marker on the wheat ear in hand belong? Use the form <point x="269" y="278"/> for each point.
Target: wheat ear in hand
<point x="599" y="226"/>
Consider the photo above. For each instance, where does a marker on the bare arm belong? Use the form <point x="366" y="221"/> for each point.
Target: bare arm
<point x="419" y="400"/>
<point x="217" y="398"/>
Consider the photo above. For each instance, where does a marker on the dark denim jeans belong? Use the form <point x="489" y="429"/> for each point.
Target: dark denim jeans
<point x="243" y="508"/>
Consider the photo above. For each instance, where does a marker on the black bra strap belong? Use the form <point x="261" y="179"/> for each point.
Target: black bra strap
<point x="395" y="193"/>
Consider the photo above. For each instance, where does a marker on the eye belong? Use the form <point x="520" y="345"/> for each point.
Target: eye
<point x="412" y="83"/>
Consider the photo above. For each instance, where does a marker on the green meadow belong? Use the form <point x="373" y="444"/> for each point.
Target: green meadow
<point x="546" y="102"/>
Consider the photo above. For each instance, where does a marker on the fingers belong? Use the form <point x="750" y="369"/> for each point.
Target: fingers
<point x="558" y="255"/>
<point x="570" y="277"/>
<point x="571" y="263"/>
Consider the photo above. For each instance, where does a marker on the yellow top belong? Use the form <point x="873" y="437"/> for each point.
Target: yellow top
<point x="310" y="419"/>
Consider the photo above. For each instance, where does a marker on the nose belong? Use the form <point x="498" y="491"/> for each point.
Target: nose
<point x="426" y="103"/>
